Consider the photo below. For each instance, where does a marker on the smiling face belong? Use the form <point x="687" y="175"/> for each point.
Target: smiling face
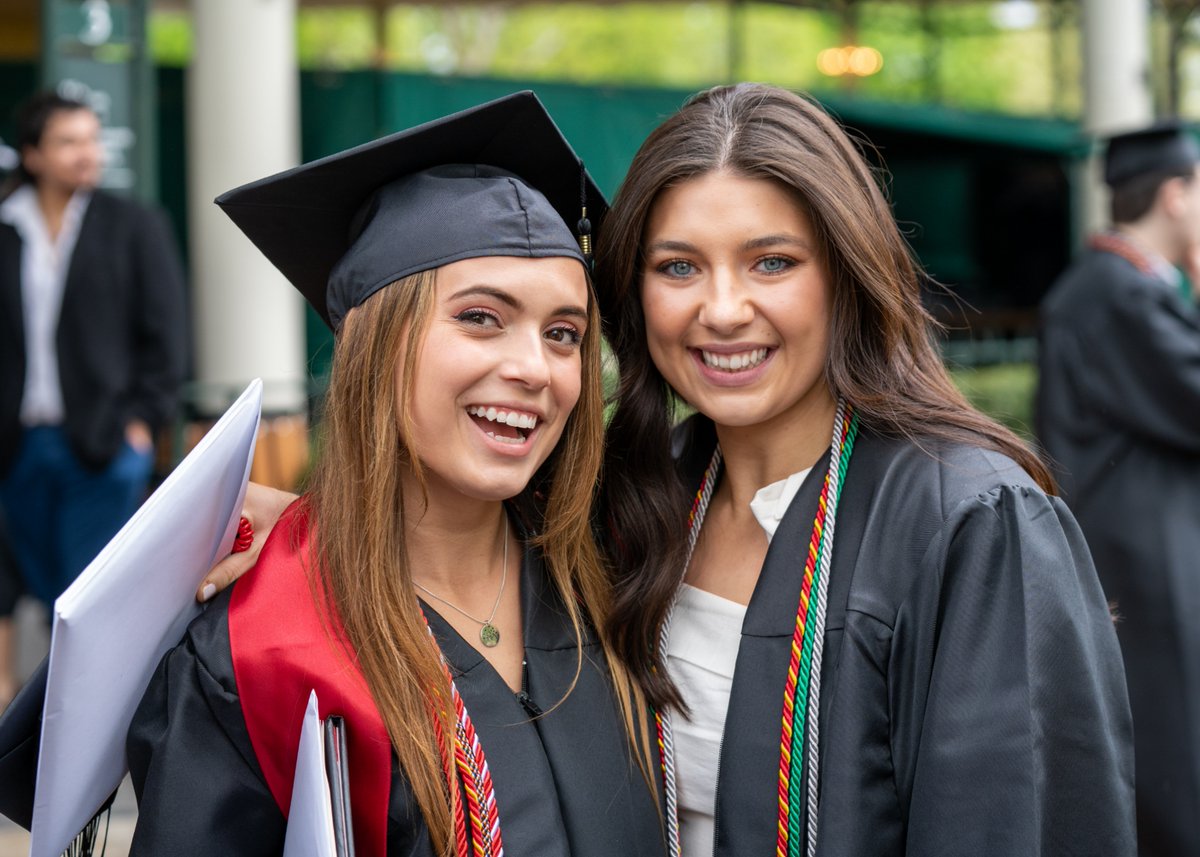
<point x="497" y="373"/>
<point x="736" y="301"/>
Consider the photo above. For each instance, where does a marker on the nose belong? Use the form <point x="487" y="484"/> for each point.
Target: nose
<point x="726" y="303"/>
<point x="526" y="361"/>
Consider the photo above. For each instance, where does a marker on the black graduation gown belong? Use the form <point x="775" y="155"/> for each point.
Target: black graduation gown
<point x="972" y="701"/>
<point x="20" y="735"/>
<point x="1119" y="411"/>
<point x="565" y="782"/>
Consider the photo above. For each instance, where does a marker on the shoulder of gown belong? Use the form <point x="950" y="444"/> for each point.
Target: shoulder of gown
<point x="1007" y="704"/>
<point x="974" y="696"/>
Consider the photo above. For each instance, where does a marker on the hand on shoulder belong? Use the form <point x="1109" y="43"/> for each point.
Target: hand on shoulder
<point x="262" y="508"/>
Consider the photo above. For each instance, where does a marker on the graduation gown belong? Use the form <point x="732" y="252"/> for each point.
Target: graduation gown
<point x="1119" y="412"/>
<point x="973" y="701"/>
<point x="565" y="782"/>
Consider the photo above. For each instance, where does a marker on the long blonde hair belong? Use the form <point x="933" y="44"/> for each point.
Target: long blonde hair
<point x="360" y="552"/>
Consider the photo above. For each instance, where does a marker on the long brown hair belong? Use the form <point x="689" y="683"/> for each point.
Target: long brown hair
<point x="882" y="356"/>
<point x="360" y="555"/>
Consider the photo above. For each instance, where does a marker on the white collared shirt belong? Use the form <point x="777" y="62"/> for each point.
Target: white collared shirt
<point x="44" y="265"/>
<point x="706" y="632"/>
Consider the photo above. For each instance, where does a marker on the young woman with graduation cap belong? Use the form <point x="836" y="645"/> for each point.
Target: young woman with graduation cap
<point x="868" y="627"/>
<point x="439" y="586"/>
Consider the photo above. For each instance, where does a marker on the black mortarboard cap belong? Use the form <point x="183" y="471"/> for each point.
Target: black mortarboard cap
<point x="1164" y="147"/>
<point x="494" y="180"/>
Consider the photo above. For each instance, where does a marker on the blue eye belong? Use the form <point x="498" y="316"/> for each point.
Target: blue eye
<point x="774" y="264"/>
<point x="677" y="268"/>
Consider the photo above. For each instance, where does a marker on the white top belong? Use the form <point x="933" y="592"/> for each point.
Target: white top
<point x="706" y="632"/>
<point x="44" y="264"/>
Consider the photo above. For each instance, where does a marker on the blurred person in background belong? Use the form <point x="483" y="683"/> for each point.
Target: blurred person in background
<point x="10" y="578"/>
<point x="10" y="591"/>
<point x="1118" y="411"/>
<point x="93" y="345"/>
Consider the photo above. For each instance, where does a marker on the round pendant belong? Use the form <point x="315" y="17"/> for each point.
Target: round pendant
<point x="489" y="635"/>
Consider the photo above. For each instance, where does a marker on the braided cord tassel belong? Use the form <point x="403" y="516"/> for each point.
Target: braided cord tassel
<point x="792" y="737"/>
<point x="460" y="825"/>
<point x="475" y="777"/>
<point x="808" y="642"/>
<point x="662" y="719"/>
<point x="838" y="474"/>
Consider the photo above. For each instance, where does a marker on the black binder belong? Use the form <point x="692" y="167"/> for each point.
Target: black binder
<point x="337" y="771"/>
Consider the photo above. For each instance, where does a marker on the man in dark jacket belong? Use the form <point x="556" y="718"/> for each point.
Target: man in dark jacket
<point x="92" y="346"/>
<point x="1118" y="411"/>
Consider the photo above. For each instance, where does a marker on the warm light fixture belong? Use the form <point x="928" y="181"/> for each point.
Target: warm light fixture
<point x="856" y="60"/>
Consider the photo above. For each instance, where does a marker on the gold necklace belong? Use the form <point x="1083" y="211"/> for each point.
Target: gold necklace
<point x="489" y="634"/>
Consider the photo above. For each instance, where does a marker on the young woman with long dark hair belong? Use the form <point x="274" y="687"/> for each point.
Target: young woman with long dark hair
<point x="877" y="632"/>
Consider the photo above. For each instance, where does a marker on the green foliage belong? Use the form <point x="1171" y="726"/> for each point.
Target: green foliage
<point x="948" y="53"/>
<point x="954" y="53"/>
<point x="170" y="37"/>
<point x="336" y="38"/>
<point x="664" y="44"/>
<point x="1004" y="392"/>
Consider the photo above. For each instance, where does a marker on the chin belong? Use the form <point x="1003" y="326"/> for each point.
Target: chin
<point x="730" y="413"/>
<point x="492" y="490"/>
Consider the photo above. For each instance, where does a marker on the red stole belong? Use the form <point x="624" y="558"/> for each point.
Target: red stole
<point x="1112" y="242"/>
<point x="281" y="652"/>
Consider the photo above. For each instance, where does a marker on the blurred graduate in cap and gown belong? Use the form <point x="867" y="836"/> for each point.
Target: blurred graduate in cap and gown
<point x="1118" y="411"/>
<point x="439" y="586"/>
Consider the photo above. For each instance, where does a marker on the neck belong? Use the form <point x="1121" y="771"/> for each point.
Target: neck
<point x="1151" y="235"/>
<point x="53" y="201"/>
<point x="767" y="452"/>
<point x="453" y="546"/>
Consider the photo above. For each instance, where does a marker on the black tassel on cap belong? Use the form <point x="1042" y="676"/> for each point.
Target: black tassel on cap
<point x="584" y="227"/>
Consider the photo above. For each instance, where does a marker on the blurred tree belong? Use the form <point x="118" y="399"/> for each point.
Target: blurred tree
<point x="1177" y="17"/>
<point x="1015" y="56"/>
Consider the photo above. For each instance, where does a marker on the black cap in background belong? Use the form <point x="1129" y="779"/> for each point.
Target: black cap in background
<point x="1164" y="147"/>
<point x="494" y="180"/>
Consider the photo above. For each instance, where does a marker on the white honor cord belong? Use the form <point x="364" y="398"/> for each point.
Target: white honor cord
<point x="814" y="689"/>
<point x="664" y="638"/>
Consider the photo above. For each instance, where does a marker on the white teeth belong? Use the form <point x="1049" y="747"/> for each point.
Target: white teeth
<point x="734" y="362"/>
<point x="511" y="418"/>
<point x="503" y="439"/>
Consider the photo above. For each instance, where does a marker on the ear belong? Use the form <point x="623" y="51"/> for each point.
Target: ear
<point x="1172" y="197"/>
<point x="31" y="160"/>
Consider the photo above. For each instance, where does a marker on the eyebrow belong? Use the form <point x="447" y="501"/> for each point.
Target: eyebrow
<point x="671" y="246"/>
<point x="570" y="310"/>
<point x="753" y="244"/>
<point x="489" y="292"/>
<point x="775" y="241"/>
